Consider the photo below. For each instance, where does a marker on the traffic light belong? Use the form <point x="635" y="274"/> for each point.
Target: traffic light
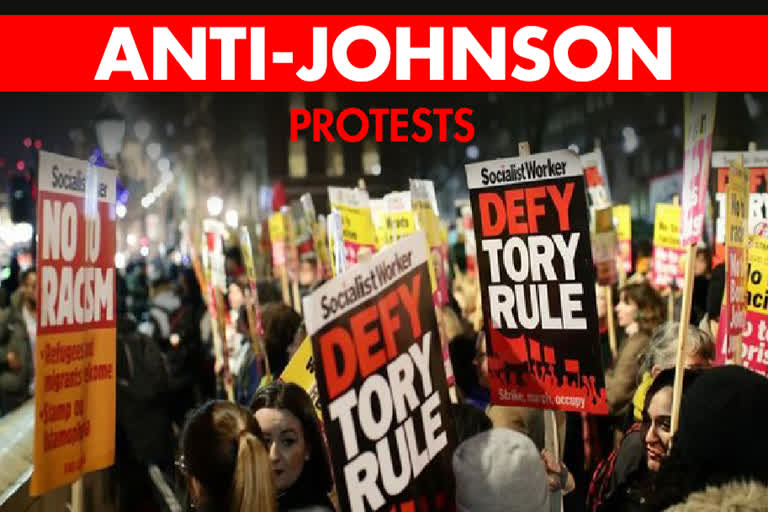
<point x="21" y="196"/>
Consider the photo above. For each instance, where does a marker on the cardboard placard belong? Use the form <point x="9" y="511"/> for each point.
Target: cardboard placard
<point x="667" y="252"/>
<point x="699" y="115"/>
<point x="622" y="218"/>
<point x="757" y="164"/>
<point x="75" y="346"/>
<point x="755" y="334"/>
<point x="537" y="282"/>
<point x="358" y="231"/>
<point x="375" y="341"/>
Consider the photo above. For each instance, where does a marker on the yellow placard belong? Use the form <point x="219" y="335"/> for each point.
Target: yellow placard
<point x="737" y="204"/>
<point x="622" y="217"/>
<point x="300" y="371"/>
<point x="75" y="430"/>
<point x="276" y="227"/>
<point x="357" y="224"/>
<point x="666" y="228"/>
<point x="75" y="369"/>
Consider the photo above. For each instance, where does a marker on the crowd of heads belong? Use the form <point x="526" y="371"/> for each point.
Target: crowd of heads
<point x="267" y="450"/>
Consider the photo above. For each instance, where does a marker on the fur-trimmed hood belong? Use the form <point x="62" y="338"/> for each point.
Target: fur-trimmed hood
<point x="733" y="496"/>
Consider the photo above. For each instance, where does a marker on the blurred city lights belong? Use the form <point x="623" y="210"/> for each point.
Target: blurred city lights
<point x="131" y="240"/>
<point x="120" y="260"/>
<point x="215" y="205"/>
<point x="630" y="142"/>
<point x="20" y="165"/>
<point x="28" y="142"/>
<point x="231" y="218"/>
<point x="142" y="129"/>
<point x="144" y="251"/>
<point x="153" y="150"/>
<point x="38" y="144"/>
<point x="164" y="165"/>
<point x="121" y="210"/>
<point x="473" y="152"/>
<point x="23" y="232"/>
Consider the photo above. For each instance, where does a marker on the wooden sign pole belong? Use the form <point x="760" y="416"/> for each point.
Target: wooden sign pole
<point x="685" y="315"/>
<point x="611" y="322"/>
<point x="551" y="438"/>
<point x="737" y="357"/>
<point x="671" y="296"/>
<point x="222" y="327"/>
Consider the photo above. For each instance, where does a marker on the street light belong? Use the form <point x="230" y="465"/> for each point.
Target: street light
<point x="231" y="218"/>
<point x="110" y="130"/>
<point x="215" y="205"/>
<point x="142" y="129"/>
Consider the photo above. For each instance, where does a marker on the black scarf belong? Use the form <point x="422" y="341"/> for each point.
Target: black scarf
<point x="303" y="493"/>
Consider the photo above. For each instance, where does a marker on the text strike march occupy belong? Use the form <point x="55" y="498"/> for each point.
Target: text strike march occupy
<point x="382" y="382"/>
<point x="75" y="353"/>
<point x="537" y="281"/>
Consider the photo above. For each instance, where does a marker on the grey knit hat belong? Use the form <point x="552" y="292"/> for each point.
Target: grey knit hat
<point x="500" y="470"/>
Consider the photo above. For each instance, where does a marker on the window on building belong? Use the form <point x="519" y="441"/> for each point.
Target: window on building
<point x="371" y="161"/>
<point x="297" y="158"/>
<point x="330" y="101"/>
<point x="297" y="100"/>
<point x="334" y="158"/>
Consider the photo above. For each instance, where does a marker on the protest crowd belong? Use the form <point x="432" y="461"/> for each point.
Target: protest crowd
<point x="246" y="374"/>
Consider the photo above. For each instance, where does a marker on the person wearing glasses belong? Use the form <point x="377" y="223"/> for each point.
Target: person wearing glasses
<point x="224" y="460"/>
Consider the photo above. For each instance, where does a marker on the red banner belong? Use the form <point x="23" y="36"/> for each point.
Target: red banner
<point x="375" y="53"/>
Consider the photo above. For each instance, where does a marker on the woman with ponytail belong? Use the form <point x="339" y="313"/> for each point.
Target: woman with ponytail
<point x="225" y="462"/>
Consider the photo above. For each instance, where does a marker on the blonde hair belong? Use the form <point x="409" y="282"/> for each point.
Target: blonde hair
<point x="251" y="491"/>
<point x="223" y="450"/>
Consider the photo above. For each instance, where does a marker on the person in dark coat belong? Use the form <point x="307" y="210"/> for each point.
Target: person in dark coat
<point x="143" y="426"/>
<point x="625" y="480"/>
<point x="18" y="332"/>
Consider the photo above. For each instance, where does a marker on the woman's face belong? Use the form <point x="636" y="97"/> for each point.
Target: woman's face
<point x="659" y="428"/>
<point x="626" y="311"/>
<point x="288" y="450"/>
<point x="236" y="297"/>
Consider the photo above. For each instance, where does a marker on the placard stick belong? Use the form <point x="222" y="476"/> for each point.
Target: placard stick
<point x="737" y="340"/>
<point x="671" y="296"/>
<point x="551" y="441"/>
<point x="222" y="327"/>
<point x="290" y="244"/>
<point x="611" y="322"/>
<point x="685" y="315"/>
<point x="257" y="342"/>
<point x="622" y="274"/>
<point x="76" y="504"/>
